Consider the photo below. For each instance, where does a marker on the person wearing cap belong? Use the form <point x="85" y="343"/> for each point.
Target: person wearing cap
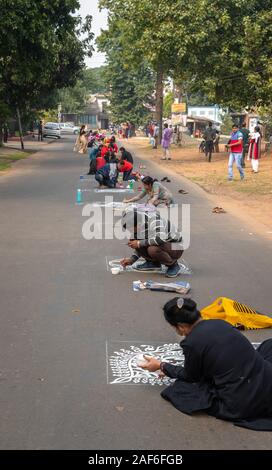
<point x="153" y="238"/>
<point x="222" y="374"/>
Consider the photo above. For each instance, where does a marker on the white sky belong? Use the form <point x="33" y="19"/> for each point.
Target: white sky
<point x="90" y="7"/>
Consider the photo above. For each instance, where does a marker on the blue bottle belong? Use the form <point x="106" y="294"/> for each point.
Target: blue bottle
<point x="79" y="196"/>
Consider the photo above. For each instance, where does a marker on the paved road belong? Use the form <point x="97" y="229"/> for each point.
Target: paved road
<point x="60" y="307"/>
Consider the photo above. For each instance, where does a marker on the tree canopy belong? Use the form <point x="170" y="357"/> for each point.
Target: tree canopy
<point x="42" y="48"/>
<point x="131" y="87"/>
<point x="222" y="51"/>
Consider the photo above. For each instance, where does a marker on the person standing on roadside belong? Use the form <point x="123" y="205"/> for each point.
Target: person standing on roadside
<point x="40" y="131"/>
<point x="236" y="152"/>
<point x="216" y="142"/>
<point x="5" y="132"/>
<point x="209" y="137"/>
<point x="166" y="142"/>
<point x="254" y="153"/>
<point x="156" y="135"/>
<point x="270" y="144"/>
<point x="245" y="133"/>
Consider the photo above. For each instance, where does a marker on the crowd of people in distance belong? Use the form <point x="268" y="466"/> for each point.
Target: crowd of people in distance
<point x="105" y="162"/>
<point x="241" y="145"/>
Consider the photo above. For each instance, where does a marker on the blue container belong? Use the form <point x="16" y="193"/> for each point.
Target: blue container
<point x="79" y="196"/>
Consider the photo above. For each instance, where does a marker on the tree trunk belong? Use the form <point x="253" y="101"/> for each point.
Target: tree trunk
<point x="20" y="128"/>
<point x="159" y="99"/>
<point x="1" y="132"/>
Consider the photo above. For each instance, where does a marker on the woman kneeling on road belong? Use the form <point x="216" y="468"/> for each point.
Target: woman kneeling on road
<point x="156" y="192"/>
<point x="222" y="374"/>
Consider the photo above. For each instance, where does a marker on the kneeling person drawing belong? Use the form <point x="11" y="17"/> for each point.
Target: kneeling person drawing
<point x="153" y="239"/>
<point x="107" y="176"/>
<point x="222" y="375"/>
<point x="156" y="192"/>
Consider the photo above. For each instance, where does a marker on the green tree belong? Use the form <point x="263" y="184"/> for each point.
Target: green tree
<point x="73" y="99"/>
<point x="167" y="104"/>
<point x="131" y="88"/>
<point x="94" y="80"/>
<point x="222" y="51"/>
<point x="227" y="123"/>
<point x="230" y="61"/>
<point x="146" y="31"/>
<point x="41" y="49"/>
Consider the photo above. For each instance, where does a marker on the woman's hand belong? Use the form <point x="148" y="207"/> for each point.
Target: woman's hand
<point x="152" y="364"/>
<point x="126" y="262"/>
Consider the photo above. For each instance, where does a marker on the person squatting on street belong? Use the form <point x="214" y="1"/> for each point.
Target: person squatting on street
<point x="153" y="239"/>
<point x="222" y="375"/>
<point x="156" y="192"/>
<point x="126" y="168"/>
<point x="107" y="176"/>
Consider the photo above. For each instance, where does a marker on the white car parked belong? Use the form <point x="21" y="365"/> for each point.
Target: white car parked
<point x="52" y="129"/>
<point x="69" y="128"/>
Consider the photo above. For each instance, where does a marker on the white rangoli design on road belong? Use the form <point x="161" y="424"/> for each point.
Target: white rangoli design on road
<point x="124" y="368"/>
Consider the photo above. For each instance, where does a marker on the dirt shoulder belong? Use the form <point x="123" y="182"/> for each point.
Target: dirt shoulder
<point x="250" y="199"/>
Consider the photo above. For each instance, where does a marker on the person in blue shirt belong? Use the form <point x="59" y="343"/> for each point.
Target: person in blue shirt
<point x="107" y="176"/>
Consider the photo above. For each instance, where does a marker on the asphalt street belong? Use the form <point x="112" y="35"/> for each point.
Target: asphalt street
<point x="63" y="314"/>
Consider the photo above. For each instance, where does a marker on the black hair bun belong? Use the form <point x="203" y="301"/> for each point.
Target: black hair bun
<point x="190" y="305"/>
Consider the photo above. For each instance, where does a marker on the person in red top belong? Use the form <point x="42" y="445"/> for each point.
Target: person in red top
<point x="125" y="167"/>
<point x="104" y="150"/>
<point x="236" y="152"/>
<point x="113" y="144"/>
<point x="100" y="162"/>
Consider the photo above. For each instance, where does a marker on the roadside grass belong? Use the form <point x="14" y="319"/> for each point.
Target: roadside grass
<point x="252" y="184"/>
<point x="7" y="157"/>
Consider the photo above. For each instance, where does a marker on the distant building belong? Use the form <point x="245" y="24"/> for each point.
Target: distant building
<point x="214" y="113"/>
<point x="95" y="114"/>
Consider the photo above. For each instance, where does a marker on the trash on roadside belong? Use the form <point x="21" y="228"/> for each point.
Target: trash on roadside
<point x="181" y="191"/>
<point x="180" y="287"/>
<point x="218" y="210"/>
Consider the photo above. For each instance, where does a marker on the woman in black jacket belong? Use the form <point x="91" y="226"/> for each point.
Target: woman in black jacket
<point x="222" y="374"/>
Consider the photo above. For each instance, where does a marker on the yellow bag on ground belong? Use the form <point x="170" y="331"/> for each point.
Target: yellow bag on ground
<point x="239" y="315"/>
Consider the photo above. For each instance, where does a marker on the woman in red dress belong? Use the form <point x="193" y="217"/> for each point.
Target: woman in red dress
<point x="254" y="152"/>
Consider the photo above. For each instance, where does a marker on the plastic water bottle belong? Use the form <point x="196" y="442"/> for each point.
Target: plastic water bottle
<point x="131" y="185"/>
<point x="79" y="196"/>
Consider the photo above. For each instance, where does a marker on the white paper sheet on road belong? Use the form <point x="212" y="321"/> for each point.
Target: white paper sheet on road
<point x="116" y="263"/>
